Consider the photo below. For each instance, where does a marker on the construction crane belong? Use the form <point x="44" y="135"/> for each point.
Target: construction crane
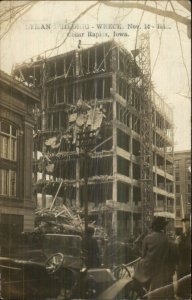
<point x="146" y="151"/>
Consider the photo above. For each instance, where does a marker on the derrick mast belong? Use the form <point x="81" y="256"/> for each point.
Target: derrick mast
<point x="146" y="156"/>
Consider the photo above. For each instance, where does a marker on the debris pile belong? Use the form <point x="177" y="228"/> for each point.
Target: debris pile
<point x="58" y="220"/>
<point x="62" y="220"/>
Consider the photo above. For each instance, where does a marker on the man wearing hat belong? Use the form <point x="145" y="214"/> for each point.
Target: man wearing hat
<point x="184" y="267"/>
<point x="157" y="265"/>
<point x="91" y="248"/>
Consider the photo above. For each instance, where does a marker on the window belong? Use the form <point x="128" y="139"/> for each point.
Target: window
<point x="123" y="166"/>
<point x="12" y="183"/>
<point x="122" y="192"/>
<point x="122" y="140"/>
<point x="188" y="163"/>
<point x="8" y="141"/>
<point x="177" y="176"/>
<point x="176" y="162"/>
<point x="188" y="175"/>
<point x="8" y="150"/>
<point x="177" y="188"/>
<point x="7" y="183"/>
<point x="169" y="187"/>
<point x="51" y="97"/>
<point x="60" y="94"/>
<point x="178" y="213"/>
<point x="99" y="89"/>
<point x="188" y="169"/>
<point x="178" y="201"/>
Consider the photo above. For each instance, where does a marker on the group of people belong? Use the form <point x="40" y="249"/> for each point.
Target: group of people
<point x="161" y="259"/>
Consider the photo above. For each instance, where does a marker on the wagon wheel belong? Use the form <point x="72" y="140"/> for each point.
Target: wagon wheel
<point x="135" y="291"/>
<point x="121" y="272"/>
<point x="133" y="295"/>
<point x="54" y="263"/>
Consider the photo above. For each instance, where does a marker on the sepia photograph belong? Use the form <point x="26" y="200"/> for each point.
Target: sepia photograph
<point x="95" y="150"/>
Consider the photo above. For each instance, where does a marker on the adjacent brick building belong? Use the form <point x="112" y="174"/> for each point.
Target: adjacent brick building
<point x="16" y="145"/>
<point x="182" y="162"/>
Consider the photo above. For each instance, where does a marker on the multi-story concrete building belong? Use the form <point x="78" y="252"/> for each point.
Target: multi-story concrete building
<point x="182" y="163"/>
<point x="106" y="77"/>
<point x="16" y="144"/>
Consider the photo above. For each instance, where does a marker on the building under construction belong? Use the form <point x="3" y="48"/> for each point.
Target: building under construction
<point x="102" y="97"/>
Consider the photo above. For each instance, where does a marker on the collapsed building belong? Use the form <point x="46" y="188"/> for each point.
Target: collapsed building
<point x="130" y="144"/>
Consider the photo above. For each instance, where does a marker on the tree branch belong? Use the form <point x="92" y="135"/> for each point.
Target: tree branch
<point x="186" y="4"/>
<point x="169" y="14"/>
<point x="139" y="26"/>
<point x="181" y="47"/>
<point x="160" y="38"/>
<point x="9" y="10"/>
<point x="18" y="15"/>
<point x="73" y="22"/>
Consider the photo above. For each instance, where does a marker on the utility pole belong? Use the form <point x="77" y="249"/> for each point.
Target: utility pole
<point x="86" y="141"/>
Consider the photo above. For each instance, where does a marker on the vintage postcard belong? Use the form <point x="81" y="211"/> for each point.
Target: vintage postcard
<point x="95" y="153"/>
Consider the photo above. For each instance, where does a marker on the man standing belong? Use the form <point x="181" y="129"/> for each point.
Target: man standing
<point x="184" y="267"/>
<point x="91" y="248"/>
<point x="157" y="265"/>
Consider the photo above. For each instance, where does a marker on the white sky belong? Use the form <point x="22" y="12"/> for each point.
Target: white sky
<point x="169" y="76"/>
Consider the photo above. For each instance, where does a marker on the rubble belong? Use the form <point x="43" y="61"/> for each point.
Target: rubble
<point x="58" y="220"/>
<point x="61" y="219"/>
